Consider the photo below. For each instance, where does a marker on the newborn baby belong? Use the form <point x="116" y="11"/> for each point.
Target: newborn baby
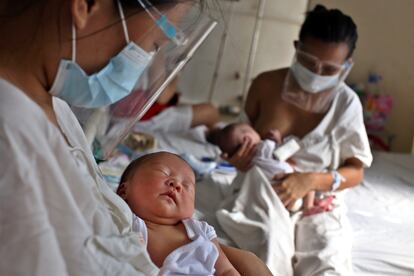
<point x="230" y="139"/>
<point x="160" y="189"/>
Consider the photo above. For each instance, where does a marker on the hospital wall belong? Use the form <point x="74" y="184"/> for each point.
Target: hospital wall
<point x="252" y="36"/>
<point x="385" y="46"/>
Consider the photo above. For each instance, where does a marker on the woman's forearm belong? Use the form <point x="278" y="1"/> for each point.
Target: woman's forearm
<point x="245" y="262"/>
<point x="352" y="171"/>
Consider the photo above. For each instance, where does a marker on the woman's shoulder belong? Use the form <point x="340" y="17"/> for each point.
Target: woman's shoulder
<point x="271" y="76"/>
<point x="268" y="81"/>
<point x="24" y="125"/>
<point x="347" y="107"/>
<point x="348" y="100"/>
<point x="25" y="133"/>
<point x="18" y="111"/>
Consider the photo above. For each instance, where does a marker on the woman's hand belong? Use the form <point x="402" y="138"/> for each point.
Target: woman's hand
<point x="242" y="159"/>
<point x="293" y="186"/>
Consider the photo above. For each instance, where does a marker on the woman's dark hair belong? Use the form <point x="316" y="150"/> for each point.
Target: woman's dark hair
<point x="134" y="3"/>
<point x="14" y="8"/>
<point x="329" y="25"/>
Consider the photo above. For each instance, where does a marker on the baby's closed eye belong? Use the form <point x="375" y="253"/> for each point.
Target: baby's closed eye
<point x="188" y="185"/>
<point x="162" y="170"/>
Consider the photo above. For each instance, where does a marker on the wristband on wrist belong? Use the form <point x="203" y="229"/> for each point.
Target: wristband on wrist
<point x="337" y="180"/>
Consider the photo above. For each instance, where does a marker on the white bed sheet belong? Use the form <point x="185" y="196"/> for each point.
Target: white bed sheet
<point x="380" y="209"/>
<point x="381" y="215"/>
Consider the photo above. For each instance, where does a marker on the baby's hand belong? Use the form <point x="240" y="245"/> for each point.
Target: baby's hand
<point x="242" y="159"/>
<point x="320" y="205"/>
<point x="274" y="135"/>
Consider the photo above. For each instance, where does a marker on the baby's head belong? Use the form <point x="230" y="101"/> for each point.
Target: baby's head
<point x="159" y="187"/>
<point x="230" y="138"/>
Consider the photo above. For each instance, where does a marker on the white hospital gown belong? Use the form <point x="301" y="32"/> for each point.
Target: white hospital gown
<point x="57" y="216"/>
<point x="195" y="258"/>
<point x="340" y="135"/>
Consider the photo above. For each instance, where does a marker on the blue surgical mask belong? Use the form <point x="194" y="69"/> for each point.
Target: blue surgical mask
<point x="112" y="83"/>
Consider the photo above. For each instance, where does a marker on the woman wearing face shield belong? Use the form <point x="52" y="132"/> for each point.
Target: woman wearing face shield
<point x="57" y="216"/>
<point x="311" y="102"/>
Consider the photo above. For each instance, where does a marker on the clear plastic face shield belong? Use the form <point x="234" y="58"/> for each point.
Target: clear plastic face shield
<point x="311" y="83"/>
<point x="176" y="33"/>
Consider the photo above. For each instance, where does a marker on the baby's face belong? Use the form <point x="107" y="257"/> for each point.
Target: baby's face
<point x="162" y="190"/>
<point x="245" y="131"/>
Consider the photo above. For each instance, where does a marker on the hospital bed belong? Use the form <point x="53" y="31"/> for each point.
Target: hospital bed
<point x="379" y="209"/>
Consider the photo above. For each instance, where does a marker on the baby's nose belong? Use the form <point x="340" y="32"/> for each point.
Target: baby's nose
<point x="174" y="184"/>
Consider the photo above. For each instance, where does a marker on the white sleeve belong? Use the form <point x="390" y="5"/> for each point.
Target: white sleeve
<point x="29" y="244"/>
<point x="351" y="135"/>
<point x="208" y="230"/>
<point x="139" y="226"/>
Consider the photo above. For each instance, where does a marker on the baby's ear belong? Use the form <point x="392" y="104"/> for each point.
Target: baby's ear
<point x="122" y="190"/>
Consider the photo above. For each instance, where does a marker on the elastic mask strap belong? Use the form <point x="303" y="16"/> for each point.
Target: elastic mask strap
<point x="124" y="26"/>
<point x="73" y="42"/>
<point x="163" y="23"/>
<point x="348" y="67"/>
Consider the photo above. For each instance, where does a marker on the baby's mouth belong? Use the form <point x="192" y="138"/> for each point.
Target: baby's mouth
<point x="171" y="195"/>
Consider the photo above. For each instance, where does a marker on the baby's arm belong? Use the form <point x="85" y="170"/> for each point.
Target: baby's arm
<point x="223" y="266"/>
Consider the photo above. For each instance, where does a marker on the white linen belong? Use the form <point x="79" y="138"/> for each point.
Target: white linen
<point x="323" y="243"/>
<point x="191" y="141"/>
<point x="264" y="159"/>
<point x="173" y="119"/>
<point x="172" y="130"/>
<point x="256" y="220"/>
<point x="195" y="258"/>
<point x="57" y="215"/>
<point x="257" y="213"/>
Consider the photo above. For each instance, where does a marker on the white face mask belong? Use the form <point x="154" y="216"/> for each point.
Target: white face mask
<point x="311" y="82"/>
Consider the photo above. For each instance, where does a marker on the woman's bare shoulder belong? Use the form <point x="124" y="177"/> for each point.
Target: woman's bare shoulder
<point x="272" y="74"/>
<point x="269" y="81"/>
